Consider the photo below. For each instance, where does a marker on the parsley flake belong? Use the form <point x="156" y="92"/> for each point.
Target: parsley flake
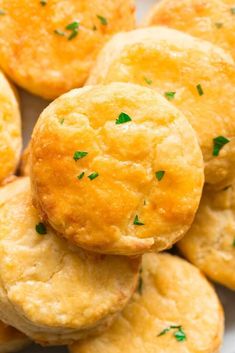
<point x="2" y="12"/>
<point x="123" y="118"/>
<point x="59" y="32"/>
<point x="92" y="176"/>
<point x="41" y="229"/>
<point x="219" y="142"/>
<point x="103" y="20"/>
<point x="62" y="121"/>
<point x="233" y="243"/>
<point x="74" y="27"/>
<point x="232" y="10"/>
<point x="80" y="176"/>
<point x="43" y="2"/>
<point x="148" y="81"/>
<point x="79" y="155"/>
<point x="179" y="334"/>
<point x="170" y="95"/>
<point x="137" y="221"/>
<point x="219" y="25"/>
<point x="200" y="90"/>
<point x="160" y="174"/>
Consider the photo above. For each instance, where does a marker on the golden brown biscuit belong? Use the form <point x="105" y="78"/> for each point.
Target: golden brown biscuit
<point x="10" y="129"/>
<point x="53" y="292"/>
<point x="196" y="76"/>
<point x="210" y="20"/>
<point x="210" y="243"/>
<point x="110" y="170"/>
<point x="175" y="310"/>
<point x="11" y="340"/>
<point x="50" y="46"/>
<point x="24" y="168"/>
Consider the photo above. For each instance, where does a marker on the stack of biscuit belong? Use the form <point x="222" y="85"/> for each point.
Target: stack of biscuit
<point x="135" y="154"/>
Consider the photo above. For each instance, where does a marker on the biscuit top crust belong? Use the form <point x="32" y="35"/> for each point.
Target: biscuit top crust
<point x="210" y="20"/>
<point x="10" y="129"/>
<point x="111" y="171"/>
<point x="47" y="285"/>
<point x="194" y="75"/>
<point x="176" y="310"/>
<point x="49" y="49"/>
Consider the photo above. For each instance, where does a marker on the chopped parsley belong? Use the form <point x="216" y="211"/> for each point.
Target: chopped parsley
<point x="160" y="174"/>
<point x="140" y="283"/>
<point x="74" y="27"/>
<point x="59" y="32"/>
<point x="92" y="176"/>
<point x="79" y="154"/>
<point x="137" y="221"/>
<point x="232" y="10"/>
<point x="148" y="81"/>
<point x="219" y="142"/>
<point x="179" y="334"/>
<point x="62" y="121"/>
<point x="43" y="2"/>
<point x="234" y="242"/>
<point x="123" y="118"/>
<point x="80" y="176"/>
<point x="200" y="90"/>
<point x="170" y="95"/>
<point x="103" y="20"/>
<point x="219" y="25"/>
<point x="41" y="229"/>
<point x="2" y="12"/>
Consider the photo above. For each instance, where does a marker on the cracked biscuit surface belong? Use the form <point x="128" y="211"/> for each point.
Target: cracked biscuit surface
<point x="10" y="129"/>
<point x="196" y="76"/>
<point x="210" y="243"/>
<point x="110" y="170"/>
<point x="175" y="310"/>
<point x="210" y="20"/>
<point x="49" y="46"/>
<point x="53" y="292"/>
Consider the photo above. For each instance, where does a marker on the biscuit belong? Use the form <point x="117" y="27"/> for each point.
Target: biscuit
<point x="10" y="129"/>
<point x="196" y="76"/>
<point x="110" y="171"/>
<point x="210" y="20"/>
<point x="175" y="310"/>
<point x="49" y="46"/>
<point x="11" y="340"/>
<point x="51" y="291"/>
<point x="24" y="168"/>
<point x="210" y="243"/>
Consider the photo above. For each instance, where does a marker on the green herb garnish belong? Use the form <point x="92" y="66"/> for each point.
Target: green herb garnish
<point x="148" y="81"/>
<point x="234" y="242"/>
<point x="160" y="174"/>
<point x="74" y="27"/>
<point x="170" y="95"/>
<point x="232" y="10"/>
<point x="79" y="154"/>
<point x="103" y="20"/>
<point x="137" y="221"/>
<point x="123" y="118"/>
<point x="62" y="121"/>
<point x="93" y="176"/>
<point x="200" y="90"/>
<point x="219" y="25"/>
<point x="59" y="32"/>
<point x="219" y="142"/>
<point x="41" y="229"/>
<point x="43" y="2"/>
<point x="179" y="334"/>
<point x="81" y="175"/>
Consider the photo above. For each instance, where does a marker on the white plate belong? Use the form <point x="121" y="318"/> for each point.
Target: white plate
<point x="31" y="108"/>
